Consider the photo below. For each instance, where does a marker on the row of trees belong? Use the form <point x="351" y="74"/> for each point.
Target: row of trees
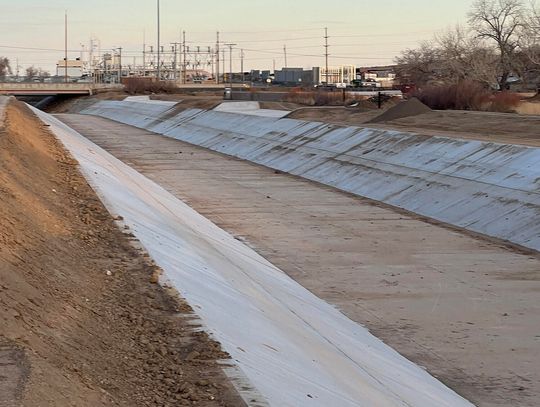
<point x="501" y="39"/>
<point x="31" y="71"/>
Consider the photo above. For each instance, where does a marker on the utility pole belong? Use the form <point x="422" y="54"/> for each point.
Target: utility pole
<point x="211" y="54"/>
<point x="217" y="58"/>
<point x="175" y="61"/>
<point x="120" y="65"/>
<point x="91" y="59"/>
<point x="184" y="62"/>
<point x="93" y="45"/>
<point x="230" y="62"/>
<point x="66" y="47"/>
<point x="180" y="54"/>
<point x="223" y="59"/>
<point x="326" y="52"/>
<point x="152" y="62"/>
<point x="285" y="53"/>
<point x="242" y="64"/>
<point x="158" y="43"/>
<point x="197" y="61"/>
<point x="144" y="53"/>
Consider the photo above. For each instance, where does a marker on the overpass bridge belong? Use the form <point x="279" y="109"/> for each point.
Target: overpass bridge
<point x="54" y="89"/>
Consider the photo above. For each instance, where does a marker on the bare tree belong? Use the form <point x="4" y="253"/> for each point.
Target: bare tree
<point x="418" y="66"/>
<point x="482" y="65"/>
<point x="37" y="73"/>
<point x="530" y="47"/>
<point x="453" y="56"/>
<point x="43" y="73"/>
<point x="31" y="72"/>
<point x="5" y="67"/>
<point x="501" y="22"/>
<point x="464" y="57"/>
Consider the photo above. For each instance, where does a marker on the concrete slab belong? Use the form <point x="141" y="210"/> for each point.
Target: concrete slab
<point x="466" y="308"/>
<point x="146" y="99"/>
<point x="249" y="108"/>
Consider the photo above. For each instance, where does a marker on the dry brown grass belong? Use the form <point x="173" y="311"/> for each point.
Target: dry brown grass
<point x="322" y="97"/>
<point x="135" y="86"/>
<point x="529" y="108"/>
<point x="468" y="95"/>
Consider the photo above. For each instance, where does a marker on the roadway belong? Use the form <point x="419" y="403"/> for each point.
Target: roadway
<point x="463" y="306"/>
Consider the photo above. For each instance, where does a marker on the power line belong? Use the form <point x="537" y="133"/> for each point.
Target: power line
<point x="271" y="31"/>
<point x="278" y="40"/>
<point x="383" y="35"/>
<point x="37" y="49"/>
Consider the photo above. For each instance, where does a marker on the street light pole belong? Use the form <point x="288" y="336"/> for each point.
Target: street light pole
<point x="65" y="47"/>
<point x="158" y="43"/>
<point x="242" y="65"/>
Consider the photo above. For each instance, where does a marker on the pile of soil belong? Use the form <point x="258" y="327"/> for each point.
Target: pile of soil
<point x="82" y="320"/>
<point x="411" y="107"/>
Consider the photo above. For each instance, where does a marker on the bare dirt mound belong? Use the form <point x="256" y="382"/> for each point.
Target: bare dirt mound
<point x="81" y="321"/>
<point x="412" y="107"/>
<point x="196" y="102"/>
<point x="337" y="115"/>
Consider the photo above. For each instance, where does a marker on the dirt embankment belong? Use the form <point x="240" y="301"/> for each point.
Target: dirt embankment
<point x="81" y="321"/>
<point x="506" y="128"/>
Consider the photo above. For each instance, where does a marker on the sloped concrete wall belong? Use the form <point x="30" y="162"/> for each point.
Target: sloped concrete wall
<point x="3" y="103"/>
<point x="488" y="188"/>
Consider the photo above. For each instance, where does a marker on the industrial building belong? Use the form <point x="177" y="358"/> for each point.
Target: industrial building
<point x="384" y="76"/>
<point x="295" y="76"/>
<point x="337" y="74"/>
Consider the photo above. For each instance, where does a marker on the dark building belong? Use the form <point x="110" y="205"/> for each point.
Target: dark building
<point x="294" y="76"/>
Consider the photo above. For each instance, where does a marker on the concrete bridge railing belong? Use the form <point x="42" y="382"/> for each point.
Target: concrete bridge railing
<point x="45" y="88"/>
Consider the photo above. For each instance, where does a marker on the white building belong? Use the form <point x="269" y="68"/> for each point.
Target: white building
<point x="337" y="74"/>
<point x="74" y="68"/>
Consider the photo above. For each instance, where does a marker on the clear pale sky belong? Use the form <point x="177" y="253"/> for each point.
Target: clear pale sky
<point x="361" y="32"/>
